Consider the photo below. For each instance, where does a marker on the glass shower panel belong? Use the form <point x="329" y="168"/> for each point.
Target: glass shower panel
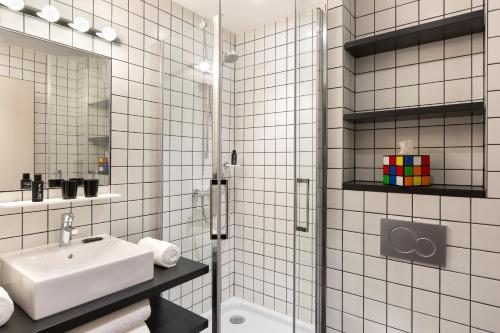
<point x="308" y="143"/>
<point x="186" y="55"/>
<point x="187" y="68"/>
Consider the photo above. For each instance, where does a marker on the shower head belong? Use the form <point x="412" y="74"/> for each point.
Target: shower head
<point x="231" y="57"/>
<point x="203" y="24"/>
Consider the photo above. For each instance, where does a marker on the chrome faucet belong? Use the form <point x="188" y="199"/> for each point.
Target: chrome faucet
<point x="67" y="229"/>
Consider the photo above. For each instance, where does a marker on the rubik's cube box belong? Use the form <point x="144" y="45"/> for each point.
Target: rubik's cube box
<point x="407" y="170"/>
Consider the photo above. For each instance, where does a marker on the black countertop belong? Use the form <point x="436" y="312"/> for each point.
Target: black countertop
<point x="164" y="279"/>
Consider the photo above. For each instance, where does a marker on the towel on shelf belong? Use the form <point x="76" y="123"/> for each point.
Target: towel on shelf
<point x="143" y="328"/>
<point x="6" y="306"/>
<point x="121" y="321"/>
<point x="165" y="254"/>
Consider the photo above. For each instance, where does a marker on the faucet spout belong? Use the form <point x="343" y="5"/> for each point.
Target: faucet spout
<point x="67" y="229"/>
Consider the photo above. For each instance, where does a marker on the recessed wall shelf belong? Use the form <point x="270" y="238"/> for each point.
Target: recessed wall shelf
<point x="451" y="27"/>
<point x="55" y="201"/>
<point x="443" y="190"/>
<point x="426" y="112"/>
<point x="99" y="140"/>
<point x="166" y="317"/>
<point x="104" y="104"/>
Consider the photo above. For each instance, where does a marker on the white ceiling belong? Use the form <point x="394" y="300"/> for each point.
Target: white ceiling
<point x="239" y="15"/>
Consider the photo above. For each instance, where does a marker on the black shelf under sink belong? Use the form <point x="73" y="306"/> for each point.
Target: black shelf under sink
<point x="450" y="27"/>
<point x="169" y="317"/>
<point x="443" y="190"/>
<point x="424" y="112"/>
<point x="164" y="279"/>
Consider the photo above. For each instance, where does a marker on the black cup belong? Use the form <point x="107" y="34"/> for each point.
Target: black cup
<point x="91" y="187"/>
<point x="79" y="181"/>
<point x="69" y="189"/>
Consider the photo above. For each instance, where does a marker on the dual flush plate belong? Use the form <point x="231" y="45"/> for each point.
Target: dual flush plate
<point x="420" y="242"/>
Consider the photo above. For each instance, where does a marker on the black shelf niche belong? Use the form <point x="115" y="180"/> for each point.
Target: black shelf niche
<point x="426" y="112"/>
<point x="443" y="190"/>
<point x="164" y="279"/>
<point x="451" y="27"/>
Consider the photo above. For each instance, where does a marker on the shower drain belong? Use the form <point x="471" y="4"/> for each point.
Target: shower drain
<point x="237" y="320"/>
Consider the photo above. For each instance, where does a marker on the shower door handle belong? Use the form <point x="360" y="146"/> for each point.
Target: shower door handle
<point x="215" y="205"/>
<point x="306" y="181"/>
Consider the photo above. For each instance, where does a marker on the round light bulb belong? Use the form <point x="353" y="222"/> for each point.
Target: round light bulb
<point x="204" y="67"/>
<point x="108" y="34"/>
<point x="49" y="13"/>
<point x="81" y="24"/>
<point x="16" y="5"/>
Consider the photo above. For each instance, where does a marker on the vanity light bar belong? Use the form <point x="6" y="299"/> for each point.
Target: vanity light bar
<point x="31" y="11"/>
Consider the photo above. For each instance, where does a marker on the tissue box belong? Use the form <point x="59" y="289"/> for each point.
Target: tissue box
<point x="407" y="170"/>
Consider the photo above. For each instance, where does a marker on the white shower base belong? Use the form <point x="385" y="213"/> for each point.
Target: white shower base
<point x="258" y="319"/>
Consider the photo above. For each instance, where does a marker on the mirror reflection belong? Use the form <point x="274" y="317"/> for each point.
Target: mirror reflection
<point x="55" y="111"/>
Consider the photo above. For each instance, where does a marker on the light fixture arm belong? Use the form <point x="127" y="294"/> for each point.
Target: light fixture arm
<point x="31" y="11"/>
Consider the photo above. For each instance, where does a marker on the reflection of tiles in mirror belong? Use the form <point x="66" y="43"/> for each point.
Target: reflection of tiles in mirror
<point x="77" y="111"/>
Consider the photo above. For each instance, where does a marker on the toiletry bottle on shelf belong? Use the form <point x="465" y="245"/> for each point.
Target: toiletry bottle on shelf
<point x="37" y="189"/>
<point x="26" y="182"/>
<point x="234" y="158"/>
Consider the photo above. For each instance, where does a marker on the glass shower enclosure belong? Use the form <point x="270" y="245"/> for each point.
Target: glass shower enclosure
<point x="259" y="221"/>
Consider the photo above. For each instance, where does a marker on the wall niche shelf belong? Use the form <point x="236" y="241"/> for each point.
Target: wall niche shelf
<point x="443" y="190"/>
<point x="55" y="201"/>
<point x="103" y="104"/>
<point x="426" y="112"/>
<point x="451" y="27"/>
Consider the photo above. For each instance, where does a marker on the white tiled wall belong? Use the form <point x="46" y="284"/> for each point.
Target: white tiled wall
<point x="366" y="291"/>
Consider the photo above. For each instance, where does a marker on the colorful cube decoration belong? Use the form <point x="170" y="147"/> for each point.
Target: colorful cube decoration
<point x="407" y="170"/>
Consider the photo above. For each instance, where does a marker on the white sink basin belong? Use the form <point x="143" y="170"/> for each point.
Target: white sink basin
<point x="51" y="279"/>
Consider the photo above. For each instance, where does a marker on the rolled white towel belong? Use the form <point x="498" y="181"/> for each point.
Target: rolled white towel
<point x="143" y="328"/>
<point x="165" y="254"/>
<point x="120" y="321"/>
<point x="6" y="306"/>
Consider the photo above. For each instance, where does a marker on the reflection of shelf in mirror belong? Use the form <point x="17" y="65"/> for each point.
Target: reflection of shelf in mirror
<point x="100" y="140"/>
<point x="55" y="201"/>
<point x="229" y="165"/>
<point x="104" y="104"/>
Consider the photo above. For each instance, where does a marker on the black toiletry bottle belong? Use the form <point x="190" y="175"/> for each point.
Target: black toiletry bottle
<point x="234" y="158"/>
<point x="26" y="182"/>
<point x="37" y="189"/>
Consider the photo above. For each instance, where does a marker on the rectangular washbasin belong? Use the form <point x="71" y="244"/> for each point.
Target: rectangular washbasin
<point x="50" y="279"/>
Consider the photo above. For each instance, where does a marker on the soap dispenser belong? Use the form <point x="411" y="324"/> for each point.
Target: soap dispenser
<point x="37" y="189"/>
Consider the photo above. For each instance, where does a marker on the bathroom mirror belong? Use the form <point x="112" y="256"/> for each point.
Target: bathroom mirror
<point x="54" y="111"/>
